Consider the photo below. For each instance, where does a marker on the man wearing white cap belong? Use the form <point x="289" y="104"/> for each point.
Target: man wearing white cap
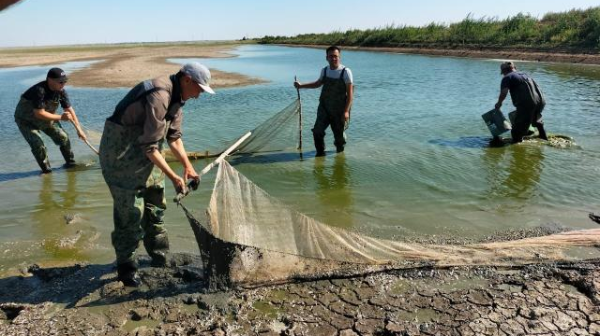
<point x="134" y="168"/>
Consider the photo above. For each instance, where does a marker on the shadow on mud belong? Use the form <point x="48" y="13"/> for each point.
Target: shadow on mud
<point x="96" y="285"/>
<point x="4" y="177"/>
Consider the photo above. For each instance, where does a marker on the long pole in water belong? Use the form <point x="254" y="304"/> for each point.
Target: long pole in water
<point x="87" y="142"/>
<point x="210" y="166"/>
<point x="299" y="120"/>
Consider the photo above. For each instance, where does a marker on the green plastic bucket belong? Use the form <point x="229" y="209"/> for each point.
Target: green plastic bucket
<point x="496" y="122"/>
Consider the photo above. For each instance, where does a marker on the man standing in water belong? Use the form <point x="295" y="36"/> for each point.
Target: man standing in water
<point x="335" y="101"/>
<point x="526" y="97"/>
<point x="134" y="168"/>
<point x="36" y="112"/>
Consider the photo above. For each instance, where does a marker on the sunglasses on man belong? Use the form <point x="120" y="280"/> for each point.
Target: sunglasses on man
<point x="60" y="81"/>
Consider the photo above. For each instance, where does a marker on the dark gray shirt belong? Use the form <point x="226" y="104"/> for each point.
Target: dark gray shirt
<point x="154" y="113"/>
<point x="40" y="96"/>
<point x="520" y="86"/>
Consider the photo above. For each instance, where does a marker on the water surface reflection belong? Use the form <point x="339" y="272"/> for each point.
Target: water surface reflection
<point x="333" y="190"/>
<point x="513" y="172"/>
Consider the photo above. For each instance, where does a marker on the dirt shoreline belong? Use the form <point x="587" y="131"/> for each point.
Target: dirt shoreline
<point x="543" y="299"/>
<point x="85" y="299"/>
<point x="125" y="66"/>
<point x="483" y="53"/>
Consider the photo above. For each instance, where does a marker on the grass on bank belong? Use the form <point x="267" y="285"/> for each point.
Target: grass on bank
<point x="575" y="29"/>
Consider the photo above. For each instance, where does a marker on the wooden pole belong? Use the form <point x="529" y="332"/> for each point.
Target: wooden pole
<point x="225" y="153"/>
<point x="87" y="142"/>
<point x="210" y="166"/>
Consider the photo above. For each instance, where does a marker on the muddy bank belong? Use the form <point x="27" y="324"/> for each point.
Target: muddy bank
<point x="486" y="53"/>
<point x="125" y="65"/>
<point x="545" y="299"/>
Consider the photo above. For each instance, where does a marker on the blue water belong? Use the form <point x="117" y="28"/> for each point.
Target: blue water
<point x="417" y="160"/>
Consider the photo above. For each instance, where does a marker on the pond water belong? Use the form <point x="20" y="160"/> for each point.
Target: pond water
<point x="417" y="160"/>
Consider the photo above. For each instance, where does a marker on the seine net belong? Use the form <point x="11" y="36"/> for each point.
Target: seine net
<point x="252" y="239"/>
<point x="277" y="133"/>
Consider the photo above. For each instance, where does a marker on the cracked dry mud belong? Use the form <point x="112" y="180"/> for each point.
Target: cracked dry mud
<point x="558" y="299"/>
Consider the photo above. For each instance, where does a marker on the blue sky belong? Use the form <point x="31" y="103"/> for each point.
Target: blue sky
<point x="57" y="22"/>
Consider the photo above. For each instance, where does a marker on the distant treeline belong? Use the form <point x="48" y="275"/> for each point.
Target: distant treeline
<point x="575" y="29"/>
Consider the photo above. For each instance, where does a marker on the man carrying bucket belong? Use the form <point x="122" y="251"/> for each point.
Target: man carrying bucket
<point x="526" y="97"/>
<point x="36" y="113"/>
<point x="134" y="168"/>
<point x="335" y="101"/>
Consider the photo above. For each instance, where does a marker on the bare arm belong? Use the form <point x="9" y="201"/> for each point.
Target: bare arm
<point x="501" y="98"/>
<point x="312" y="85"/>
<point x="154" y="129"/>
<point x="45" y="115"/>
<point x="162" y="164"/>
<point x="350" y="96"/>
<point x="181" y="155"/>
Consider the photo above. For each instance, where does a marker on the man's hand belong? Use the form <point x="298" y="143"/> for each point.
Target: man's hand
<point x="501" y="97"/>
<point x="347" y="115"/>
<point x="179" y="184"/>
<point x="66" y="116"/>
<point x="296" y="84"/>
<point x="82" y="135"/>
<point x="190" y="173"/>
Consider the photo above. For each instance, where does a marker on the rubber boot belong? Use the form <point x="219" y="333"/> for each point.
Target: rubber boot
<point x="542" y="132"/>
<point x="127" y="274"/>
<point x="496" y="142"/>
<point x="68" y="155"/>
<point x="157" y="248"/>
<point x="44" y="165"/>
<point x="319" y="145"/>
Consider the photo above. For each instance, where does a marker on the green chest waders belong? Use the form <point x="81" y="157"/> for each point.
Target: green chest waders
<point x="137" y="188"/>
<point x="30" y="127"/>
<point x="331" y="112"/>
<point x="529" y="100"/>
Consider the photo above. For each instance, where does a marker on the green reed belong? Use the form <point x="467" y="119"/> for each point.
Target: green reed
<point x="574" y="29"/>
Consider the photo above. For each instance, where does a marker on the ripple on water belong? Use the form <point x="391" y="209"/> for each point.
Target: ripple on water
<point x="417" y="159"/>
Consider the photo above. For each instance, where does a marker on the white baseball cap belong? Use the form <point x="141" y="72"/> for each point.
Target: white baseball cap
<point x="199" y="74"/>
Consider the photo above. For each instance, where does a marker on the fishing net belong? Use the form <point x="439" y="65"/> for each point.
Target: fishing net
<point x="280" y="132"/>
<point x="251" y="238"/>
<point x="93" y="136"/>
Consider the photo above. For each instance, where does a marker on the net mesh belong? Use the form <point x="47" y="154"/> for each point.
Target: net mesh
<point x="251" y="238"/>
<point x="277" y="133"/>
<point x="241" y="212"/>
<point x="93" y="136"/>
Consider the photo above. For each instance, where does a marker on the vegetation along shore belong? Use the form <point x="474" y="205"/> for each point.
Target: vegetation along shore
<point x="572" y="37"/>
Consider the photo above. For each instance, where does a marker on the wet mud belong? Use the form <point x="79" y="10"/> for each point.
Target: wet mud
<point x="554" y="140"/>
<point x="542" y="299"/>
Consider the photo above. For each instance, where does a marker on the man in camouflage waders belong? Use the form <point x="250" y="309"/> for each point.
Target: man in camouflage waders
<point x="335" y="101"/>
<point x="527" y="97"/>
<point x="36" y="112"/>
<point x="134" y="168"/>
